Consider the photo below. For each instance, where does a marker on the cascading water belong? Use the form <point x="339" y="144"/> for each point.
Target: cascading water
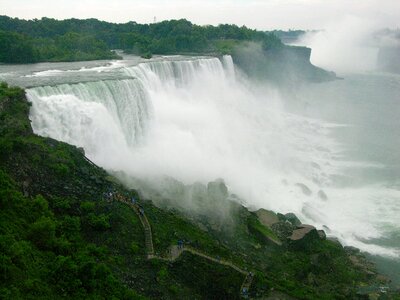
<point x="125" y="100"/>
<point x="198" y="120"/>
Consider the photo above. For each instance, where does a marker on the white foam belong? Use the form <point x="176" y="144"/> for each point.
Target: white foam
<point x="198" y="120"/>
<point x="99" y="69"/>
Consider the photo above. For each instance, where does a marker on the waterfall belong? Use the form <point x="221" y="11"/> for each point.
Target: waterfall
<point x="109" y="117"/>
<point x="125" y="100"/>
<point x="193" y="119"/>
<point x="198" y="119"/>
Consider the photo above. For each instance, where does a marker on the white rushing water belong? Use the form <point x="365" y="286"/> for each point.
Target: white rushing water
<point x="198" y="120"/>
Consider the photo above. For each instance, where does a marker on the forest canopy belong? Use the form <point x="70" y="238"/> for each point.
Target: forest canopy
<point x="26" y="41"/>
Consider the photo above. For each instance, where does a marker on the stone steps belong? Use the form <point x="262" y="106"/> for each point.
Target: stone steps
<point x="175" y="252"/>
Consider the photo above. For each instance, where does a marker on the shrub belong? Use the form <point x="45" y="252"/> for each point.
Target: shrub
<point x="100" y="222"/>
<point x="42" y="232"/>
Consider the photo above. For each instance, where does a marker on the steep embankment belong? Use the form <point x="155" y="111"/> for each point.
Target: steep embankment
<point x="61" y="235"/>
<point x="286" y="64"/>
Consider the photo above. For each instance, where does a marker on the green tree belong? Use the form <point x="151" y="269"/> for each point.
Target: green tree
<point x="16" y="48"/>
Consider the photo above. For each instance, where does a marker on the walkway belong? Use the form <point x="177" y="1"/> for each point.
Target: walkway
<point x="176" y="251"/>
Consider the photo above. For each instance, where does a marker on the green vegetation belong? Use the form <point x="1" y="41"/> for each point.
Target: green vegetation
<point x="60" y="237"/>
<point x="16" y="48"/>
<point x="73" y="39"/>
<point x="193" y="271"/>
<point x="20" y="48"/>
<point x="44" y="255"/>
<point x="71" y="46"/>
<point x="263" y="234"/>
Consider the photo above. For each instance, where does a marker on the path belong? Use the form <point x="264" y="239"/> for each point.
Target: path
<point x="148" y="236"/>
<point x="175" y="251"/>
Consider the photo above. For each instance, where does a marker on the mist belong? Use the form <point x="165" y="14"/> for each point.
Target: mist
<point x="345" y="46"/>
<point x="180" y="124"/>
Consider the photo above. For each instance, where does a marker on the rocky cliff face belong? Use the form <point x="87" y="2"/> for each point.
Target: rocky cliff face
<point x="288" y="64"/>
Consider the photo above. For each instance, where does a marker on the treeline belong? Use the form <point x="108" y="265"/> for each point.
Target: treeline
<point x="21" y="48"/>
<point x="68" y="40"/>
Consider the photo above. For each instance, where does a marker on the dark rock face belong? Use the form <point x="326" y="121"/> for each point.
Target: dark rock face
<point x="217" y="189"/>
<point x="267" y="217"/>
<point x="292" y="218"/>
<point x="284" y="65"/>
<point x="303" y="237"/>
<point x="322" y="234"/>
<point x="302" y="231"/>
<point x="283" y="229"/>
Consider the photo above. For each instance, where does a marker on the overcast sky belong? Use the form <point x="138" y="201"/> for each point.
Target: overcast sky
<point x="260" y="14"/>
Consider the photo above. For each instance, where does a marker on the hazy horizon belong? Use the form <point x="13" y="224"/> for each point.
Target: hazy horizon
<point x="262" y="15"/>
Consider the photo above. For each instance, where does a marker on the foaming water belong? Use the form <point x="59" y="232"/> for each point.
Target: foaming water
<point x="125" y="101"/>
<point x="198" y="120"/>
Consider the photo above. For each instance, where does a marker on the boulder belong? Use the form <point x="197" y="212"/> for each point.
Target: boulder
<point x="322" y="234"/>
<point x="283" y="229"/>
<point x="217" y="189"/>
<point x="281" y="217"/>
<point x="303" y="236"/>
<point x="267" y="217"/>
<point x="292" y="218"/>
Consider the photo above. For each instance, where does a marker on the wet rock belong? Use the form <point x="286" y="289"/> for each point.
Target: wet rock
<point x="281" y="217"/>
<point x="81" y="150"/>
<point x="303" y="236"/>
<point x="267" y="217"/>
<point x="351" y="250"/>
<point x="217" y="189"/>
<point x="326" y="228"/>
<point x="322" y="234"/>
<point x="302" y="231"/>
<point x="356" y="261"/>
<point x="283" y="229"/>
<point x="198" y="189"/>
<point x="292" y="218"/>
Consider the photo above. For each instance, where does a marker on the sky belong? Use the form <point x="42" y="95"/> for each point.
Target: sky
<point x="259" y="14"/>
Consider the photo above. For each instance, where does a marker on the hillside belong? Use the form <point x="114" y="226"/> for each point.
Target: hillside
<point x="63" y="235"/>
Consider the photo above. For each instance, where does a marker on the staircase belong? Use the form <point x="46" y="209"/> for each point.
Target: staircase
<point x="245" y="288"/>
<point x="148" y="236"/>
<point x="175" y="252"/>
